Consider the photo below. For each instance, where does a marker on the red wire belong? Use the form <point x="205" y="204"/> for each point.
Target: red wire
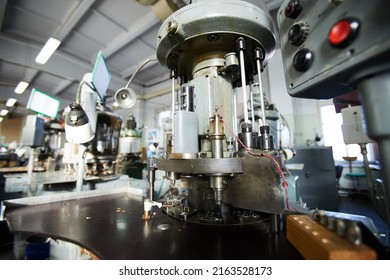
<point x="284" y="183"/>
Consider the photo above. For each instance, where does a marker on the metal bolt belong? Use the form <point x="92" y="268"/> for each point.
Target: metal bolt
<point x="172" y="26"/>
<point x="354" y="233"/>
<point x="322" y="217"/>
<point x="212" y="37"/>
<point x="331" y="223"/>
<point x="341" y="227"/>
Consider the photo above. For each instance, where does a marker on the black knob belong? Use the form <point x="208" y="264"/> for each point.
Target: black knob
<point x="303" y="60"/>
<point x="293" y="9"/>
<point x="298" y="33"/>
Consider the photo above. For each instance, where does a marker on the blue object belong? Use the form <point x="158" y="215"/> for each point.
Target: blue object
<point x="37" y="248"/>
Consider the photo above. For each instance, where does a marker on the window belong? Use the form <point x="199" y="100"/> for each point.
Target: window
<point x="333" y="136"/>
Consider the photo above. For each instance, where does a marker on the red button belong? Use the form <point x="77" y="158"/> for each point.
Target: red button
<point x="343" y="32"/>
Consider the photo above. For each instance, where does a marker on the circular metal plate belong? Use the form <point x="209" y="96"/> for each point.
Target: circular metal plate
<point x="210" y="29"/>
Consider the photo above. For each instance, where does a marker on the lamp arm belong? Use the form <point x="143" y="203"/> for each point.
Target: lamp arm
<point x="139" y="69"/>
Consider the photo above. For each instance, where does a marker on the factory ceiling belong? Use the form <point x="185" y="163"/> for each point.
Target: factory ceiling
<point x="124" y="30"/>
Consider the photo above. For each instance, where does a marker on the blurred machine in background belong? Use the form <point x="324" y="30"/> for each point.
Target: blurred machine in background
<point x="130" y="159"/>
<point x="315" y="169"/>
<point x="92" y="139"/>
<point x="50" y="155"/>
<point x="91" y="127"/>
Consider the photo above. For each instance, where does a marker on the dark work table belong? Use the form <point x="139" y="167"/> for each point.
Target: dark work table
<point x="110" y="226"/>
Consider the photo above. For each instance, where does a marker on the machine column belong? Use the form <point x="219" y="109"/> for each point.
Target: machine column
<point x="375" y="94"/>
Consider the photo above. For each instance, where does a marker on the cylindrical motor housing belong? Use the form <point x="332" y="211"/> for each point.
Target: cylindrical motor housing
<point x="186" y="140"/>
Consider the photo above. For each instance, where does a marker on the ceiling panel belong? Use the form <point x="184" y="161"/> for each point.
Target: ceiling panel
<point x="99" y="28"/>
<point x="47" y="82"/>
<point x="123" y="12"/>
<point x="10" y="71"/>
<point x="118" y="61"/>
<point x="80" y="46"/>
<point x="51" y="9"/>
<point x="136" y="51"/>
<point x="125" y="30"/>
<point x="33" y="24"/>
<point x="154" y="75"/>
<point x="150" y="37"/>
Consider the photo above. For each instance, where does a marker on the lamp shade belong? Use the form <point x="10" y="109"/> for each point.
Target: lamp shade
<point x="77" y="127"/>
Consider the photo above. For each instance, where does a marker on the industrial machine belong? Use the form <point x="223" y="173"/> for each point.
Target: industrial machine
<point x="92" y="130"/>
<point x="129" y="159"/>
<point x="50" y="155"/>
<point x="233" y="173"/>
<point x="233" y="192"/>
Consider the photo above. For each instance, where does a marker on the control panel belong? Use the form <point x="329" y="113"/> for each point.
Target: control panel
<point x="327" y="45"/>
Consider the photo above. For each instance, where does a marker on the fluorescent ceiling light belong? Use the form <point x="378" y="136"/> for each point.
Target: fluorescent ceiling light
<point x="21" y="87"/>
<point x="10" y="102"/>
<point x="48" y="49"/>
<point x="4" y="112"/>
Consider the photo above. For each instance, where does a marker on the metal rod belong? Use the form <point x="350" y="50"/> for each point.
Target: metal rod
<point x="258" y="65"/>
<point x="275" y="223"/>
<point x="80" y="167"/>
<point x="235" y="129"/>
<point x="152" y="178"/>
<point x="243" y="82"/>
<point x="252" y="109"/>
<point x="363" y="150"/>
<point x="30" y="166"/>
<point x="173" y="74"/>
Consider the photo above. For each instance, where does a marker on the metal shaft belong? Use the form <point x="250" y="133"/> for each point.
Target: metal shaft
<point x="363" y="150"/>
<point x="235" y="128"/>
<point x="252" y="109"/>
<point x="151" y="179"/>
<point x="80" y="167"/>
<point x="30" y="167"/>
<point x="258" y="65"/>
<point x="173" y="75"/>
<point x="243" y="82"/>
